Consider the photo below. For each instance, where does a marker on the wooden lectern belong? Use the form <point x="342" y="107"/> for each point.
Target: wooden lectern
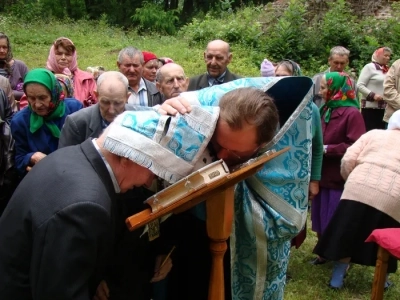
<point x="218" y="195"/>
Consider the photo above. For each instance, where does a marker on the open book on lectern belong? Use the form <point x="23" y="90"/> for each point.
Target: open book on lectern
<point x="197" y="186"/>
<point x="196" y="181"/>
<point x="188" y="185"/>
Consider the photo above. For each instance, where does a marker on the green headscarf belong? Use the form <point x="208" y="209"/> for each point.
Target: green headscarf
<point x="340" y="93"/>
<point x="56" y="106"/>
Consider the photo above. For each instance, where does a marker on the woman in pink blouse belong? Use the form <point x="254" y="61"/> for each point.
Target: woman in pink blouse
<point x="63" y="60"/>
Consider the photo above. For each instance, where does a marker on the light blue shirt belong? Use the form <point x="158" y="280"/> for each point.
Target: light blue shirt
<point x="139" y="98"/>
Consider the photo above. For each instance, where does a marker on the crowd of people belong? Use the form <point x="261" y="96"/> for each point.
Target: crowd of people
<point x="81" y="150"/>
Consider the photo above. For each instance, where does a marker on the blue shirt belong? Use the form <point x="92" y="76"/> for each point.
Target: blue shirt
<point x="215" y="81"/>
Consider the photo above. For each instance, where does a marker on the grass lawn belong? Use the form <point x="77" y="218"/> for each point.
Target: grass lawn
<point x="310" y="282"/>
<point x="98" y="44"/>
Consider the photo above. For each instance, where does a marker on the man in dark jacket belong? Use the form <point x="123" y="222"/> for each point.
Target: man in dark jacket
<point x="143" y="92"/>
<point x="58" y="226"/>
<point x="112" y="95"/>
<point x="134" y="253"/>
<point x="217" y="57"/>
<point x="8" y="178"/>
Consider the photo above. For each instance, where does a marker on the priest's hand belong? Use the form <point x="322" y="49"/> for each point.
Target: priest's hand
<point x="174" y="105"/>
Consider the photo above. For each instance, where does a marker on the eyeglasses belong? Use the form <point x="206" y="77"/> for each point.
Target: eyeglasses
<point x="238" y="155"/>
<point x="231" y="152"/>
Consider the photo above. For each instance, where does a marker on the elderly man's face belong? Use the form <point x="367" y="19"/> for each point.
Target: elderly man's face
<point x="112" y="102"/>
<point x="132" y="175"/>
<point x="173" y="82"/>
<point x="127" y="173"/>
<point x="234" y="146"/>
<point x="217" y="59"/>
<point x="132" y="68"/>
<point x="338" y="63"/>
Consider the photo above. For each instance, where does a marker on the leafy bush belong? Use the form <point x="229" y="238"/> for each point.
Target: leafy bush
<point x="152" y="17"/>
<point x="254" y="32"/>
<point x="241" y="28"/>
<point x="32" y="10"/>
<point x="339" y="27"/>
<point x="28" y="11"/>
<point x="384" y="32"/>
<point x="286" y="37"/>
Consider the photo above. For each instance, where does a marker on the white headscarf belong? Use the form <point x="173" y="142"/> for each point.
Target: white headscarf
<point x="394" y="121"/>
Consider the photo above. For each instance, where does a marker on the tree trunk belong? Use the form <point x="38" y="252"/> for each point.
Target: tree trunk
<point x="188" y="8"/>
<point x="173" y="4"/>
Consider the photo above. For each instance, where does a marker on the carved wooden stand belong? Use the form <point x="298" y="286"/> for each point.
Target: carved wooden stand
<point x="219" y="206"/>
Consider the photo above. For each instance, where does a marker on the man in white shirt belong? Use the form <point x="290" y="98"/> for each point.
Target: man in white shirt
<point x="143" y="92"/>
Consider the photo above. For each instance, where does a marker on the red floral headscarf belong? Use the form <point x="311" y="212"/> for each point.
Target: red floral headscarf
<point x="340" y="93"/>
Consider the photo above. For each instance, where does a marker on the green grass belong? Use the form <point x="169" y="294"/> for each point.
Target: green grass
<point x="98" y="44"/>
<point x="310" y="282"/>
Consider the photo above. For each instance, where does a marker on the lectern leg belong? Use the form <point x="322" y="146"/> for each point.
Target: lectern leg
<point x="216" y="288"/>
<point x="219" y="226"/>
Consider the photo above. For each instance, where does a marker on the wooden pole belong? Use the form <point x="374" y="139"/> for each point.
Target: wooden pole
<point x="380" y="274"/>
<point x="219" y="225"/>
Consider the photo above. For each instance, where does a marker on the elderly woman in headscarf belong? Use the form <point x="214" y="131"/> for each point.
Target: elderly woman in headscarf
<point x="342" y="125"/>
<point x="370" y="200"/>
<point x="36" y="129"/>
<point x="287" y="67"/>
<point x="13" y="69"/>
<point x="63" y="60"/>
<point x="66" y="84"/>
<point x="150" y="66"/>
<point x="164" y="60"/>
<point x="370" y="85"/>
